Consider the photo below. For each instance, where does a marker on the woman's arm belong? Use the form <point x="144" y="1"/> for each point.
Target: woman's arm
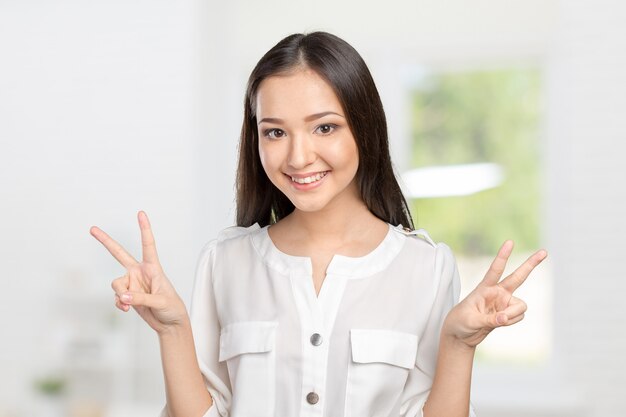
<point x="185" y="391"/>
<point x="450" y="393"/>
<point x="146" y="289"/>
<point x="491" y="304"/>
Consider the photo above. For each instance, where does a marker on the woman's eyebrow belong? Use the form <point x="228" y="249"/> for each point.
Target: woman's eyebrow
<point x="271" y="120"/>
<point x="306" y="119"/>
<point x="320" y="115"/>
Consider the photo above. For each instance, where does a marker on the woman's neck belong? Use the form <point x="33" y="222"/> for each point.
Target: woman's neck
<point x="328" y="223"/>
<point x="333" y="226"/>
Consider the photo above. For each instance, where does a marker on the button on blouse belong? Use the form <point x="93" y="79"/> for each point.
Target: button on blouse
<point x="268" y="346"/>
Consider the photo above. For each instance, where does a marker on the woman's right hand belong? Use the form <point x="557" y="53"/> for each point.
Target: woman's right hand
<point x="144" y="286"/>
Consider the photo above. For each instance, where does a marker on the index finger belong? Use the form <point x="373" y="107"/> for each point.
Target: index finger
<point x="517" y="278"/>
<point x="148" y="244"/>
<point x="113" y="247"/>
<point x="499" y="263"/>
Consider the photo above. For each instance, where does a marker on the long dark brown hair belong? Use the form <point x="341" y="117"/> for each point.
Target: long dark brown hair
<point x="258" y="200"/>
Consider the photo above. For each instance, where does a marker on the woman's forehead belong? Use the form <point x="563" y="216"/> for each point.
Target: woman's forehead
<point x="295" y="95"/>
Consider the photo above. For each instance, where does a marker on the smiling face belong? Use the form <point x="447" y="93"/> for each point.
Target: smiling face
<point x="305" y="144"/>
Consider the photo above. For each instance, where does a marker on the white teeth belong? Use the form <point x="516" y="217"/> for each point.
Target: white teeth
<point x="308" y="180"/>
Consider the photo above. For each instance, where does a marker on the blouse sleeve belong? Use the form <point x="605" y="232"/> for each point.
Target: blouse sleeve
<point x="447" y="293"/>
<point x="206" y="332"/>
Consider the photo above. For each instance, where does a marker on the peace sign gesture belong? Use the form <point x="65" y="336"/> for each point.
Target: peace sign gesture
<point x="491" y="304"/>
<point x="144" y="286"/>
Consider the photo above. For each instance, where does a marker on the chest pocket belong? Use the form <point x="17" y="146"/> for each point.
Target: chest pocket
<point x="377" y="373"/>
<point x="249" y="351"/>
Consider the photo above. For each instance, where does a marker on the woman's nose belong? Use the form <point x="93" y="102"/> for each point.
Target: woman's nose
<point x="301" y="151"/>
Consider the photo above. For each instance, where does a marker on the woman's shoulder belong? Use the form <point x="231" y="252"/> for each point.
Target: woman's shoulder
<point x="422" y="251"/>
<point x="230" y="235"/>
<point x="234" y="232"/>
<point x="419" y="240"/>
<point x="420" y="235"/>
<point x="416" y="238"/>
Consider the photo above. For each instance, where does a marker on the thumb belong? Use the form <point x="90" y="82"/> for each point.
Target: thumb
<point x="155" y="301"/>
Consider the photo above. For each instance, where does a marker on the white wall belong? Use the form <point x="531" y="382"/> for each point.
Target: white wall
<point x="586" y="193"/>
<point x="111" y="107"/>
<point x="99" y="117"/>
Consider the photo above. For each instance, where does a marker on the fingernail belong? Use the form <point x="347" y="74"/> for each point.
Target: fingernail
<point x="500" y="319"/>
<point x="126" y="297"/>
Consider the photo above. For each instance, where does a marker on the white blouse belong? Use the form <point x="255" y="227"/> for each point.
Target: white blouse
<point x="268" y="346"/>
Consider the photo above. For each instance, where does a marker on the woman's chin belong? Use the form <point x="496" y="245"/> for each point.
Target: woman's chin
<point x="309" y="207"/>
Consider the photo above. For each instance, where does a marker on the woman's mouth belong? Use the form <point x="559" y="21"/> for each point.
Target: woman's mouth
<point x="310" y="179"/>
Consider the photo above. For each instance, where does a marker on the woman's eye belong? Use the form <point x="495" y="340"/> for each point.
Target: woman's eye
<point x="326" y="129"/>
<point x="274" y="133"/>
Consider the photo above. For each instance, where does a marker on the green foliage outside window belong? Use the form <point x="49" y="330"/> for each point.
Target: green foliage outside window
<point x="481" y="116"/>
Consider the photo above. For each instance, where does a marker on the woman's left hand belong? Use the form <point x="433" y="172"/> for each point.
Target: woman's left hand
<point x="491" y="304"/>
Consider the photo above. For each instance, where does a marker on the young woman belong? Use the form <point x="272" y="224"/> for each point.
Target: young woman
<point x="323" y="301"/>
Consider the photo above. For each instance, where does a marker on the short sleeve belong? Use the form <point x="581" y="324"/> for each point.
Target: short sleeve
<point x="206" y="332"/>
<point x="447" y="291"/>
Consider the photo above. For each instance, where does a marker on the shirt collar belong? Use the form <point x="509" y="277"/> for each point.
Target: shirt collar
<point x="350" y="267"/>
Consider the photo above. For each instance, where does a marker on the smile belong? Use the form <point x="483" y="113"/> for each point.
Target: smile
<point x="310" y="179"/>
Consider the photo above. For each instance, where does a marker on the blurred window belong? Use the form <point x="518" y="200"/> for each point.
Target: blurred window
<point x="476" y="183"/>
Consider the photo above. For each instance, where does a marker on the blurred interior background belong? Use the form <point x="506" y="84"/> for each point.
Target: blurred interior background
<point x="506" y="121"/>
